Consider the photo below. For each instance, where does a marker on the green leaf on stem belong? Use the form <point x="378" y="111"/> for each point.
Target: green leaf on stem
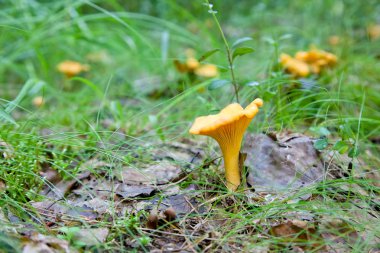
<point x="218" y="83"/>
<point x="241" y="51"/>
<point x="208" y="54"/>
<point x="240" y="41"/>
<point x="341" y="147"/>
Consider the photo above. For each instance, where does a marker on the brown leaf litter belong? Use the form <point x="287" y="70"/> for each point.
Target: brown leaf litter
<point x="92" y="236"/>
<point x="105" y="193"/>
<point x="298" y="233"/>
<point x="38" y="243"/>
<point x="276" y="163"/>
<point x="282" y="162"/>
<point x="160" y="173"/>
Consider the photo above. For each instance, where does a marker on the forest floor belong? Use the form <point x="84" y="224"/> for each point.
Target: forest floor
<point x="102" y="160"/>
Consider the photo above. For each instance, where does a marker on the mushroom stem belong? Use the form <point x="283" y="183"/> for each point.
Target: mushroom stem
<point x="232" y="170"/>
<point x="229" y="139"/>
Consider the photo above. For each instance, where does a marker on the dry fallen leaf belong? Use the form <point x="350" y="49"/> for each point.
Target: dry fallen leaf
<point x="99" y="205"/>
<point x="289" y="162"/>
<point x="132" y="191"/>
<point x="181" y="204"/>
<point x="64" y="186"/>
<point x="95" y="164"/>
<point x="39" y="243"/>
<point x="92" y="236"/>
<point x="185" y="153"/>
<point x="160" y="173"/>
<point x="54" y="208"/>
<point x="94" y="187"/>
<point x="299" y="233"/>
<point x="338" y="234"/>
<point x="36" y="247"/>
<point x="51" y="175"/>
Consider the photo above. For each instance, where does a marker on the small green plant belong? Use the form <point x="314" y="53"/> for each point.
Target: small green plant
<point x="232" y="52"/>
<point x="20" y="168"/>
<point x="144" y="240"/>
<point x="69" y="234"/>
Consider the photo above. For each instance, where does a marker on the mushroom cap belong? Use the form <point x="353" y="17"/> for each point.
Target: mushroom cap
<point x="192" y="64"/>
<point x="181" y="67"/>
<point x="316" y="56"/>
<point x="71" y="68"/>
<point x="334" y="40"/>
<point x="206" y="70"/>
<point x="38" y="101"/>
<point x="294" y="66"/>
<point x="315" y="68"/>
<point x="206" y="125"/>
<point x="304" y="62"/>
<point x="331" y="58"/>
<point x="310" y="56"/>
<point x="374" y="31"/>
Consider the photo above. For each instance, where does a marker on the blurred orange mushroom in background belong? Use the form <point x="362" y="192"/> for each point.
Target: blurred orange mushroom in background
<point x="306" y="62"/>
<point x="72" y="68"/>
<point x="334" y="40"/>
<point x="227" y="128"/>
<point x="317" y="59"/>
<point x="374" y="31"/>
<point x="295" y="67"/>
<point x="206" y="70"/>
<point x="38" y="101"/>
<point x="193" y="66"/>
